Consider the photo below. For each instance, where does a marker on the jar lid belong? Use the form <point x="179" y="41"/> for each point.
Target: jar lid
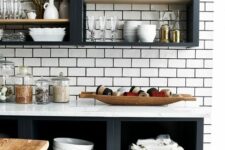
<point x="61" y="77"/>
<point x="42" y="80"/>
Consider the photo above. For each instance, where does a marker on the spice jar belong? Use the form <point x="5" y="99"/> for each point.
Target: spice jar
<point x="7" y="80"/>
<point x="24" y="82"/>
<point x="61" y="92"/>
<point x="42" y="91"/>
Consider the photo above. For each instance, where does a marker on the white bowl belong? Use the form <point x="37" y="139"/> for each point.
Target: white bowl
<point x="47" y="34"/>
<point x="146" y="33"/>
<point x="72" y="144"/>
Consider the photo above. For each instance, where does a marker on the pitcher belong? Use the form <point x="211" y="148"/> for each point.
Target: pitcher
<point x="51" y="11"/>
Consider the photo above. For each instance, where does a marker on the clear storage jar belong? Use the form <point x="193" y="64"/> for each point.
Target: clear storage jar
<point x="42" y="91"/>
<point x="24" y="89"/>
<point x="7" y="80"/>
<point x="61" y="92"/>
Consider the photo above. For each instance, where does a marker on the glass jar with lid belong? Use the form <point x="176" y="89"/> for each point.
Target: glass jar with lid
<point x="24" y="82"/>
<point x="42" y="91"/>
<point x="61" y="92"/>
<point x="7" y="80"/>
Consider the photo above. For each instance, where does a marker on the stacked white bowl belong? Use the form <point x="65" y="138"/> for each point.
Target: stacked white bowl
<point x="72" y="144"/>
<point x="130" y="30"/>
<point x="47" y="34"/>
<point x="146" y="32"/>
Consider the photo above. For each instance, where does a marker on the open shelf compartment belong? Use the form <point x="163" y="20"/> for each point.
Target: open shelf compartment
<point x="189" y="23"/>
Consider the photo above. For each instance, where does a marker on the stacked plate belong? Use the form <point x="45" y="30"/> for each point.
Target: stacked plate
<point x="72" y="144"/>
<point x="47" y="34"/>
<point x="130" y="31"/>
<point x="146" y="33"/>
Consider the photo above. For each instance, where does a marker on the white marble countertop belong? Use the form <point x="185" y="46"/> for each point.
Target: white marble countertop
<point x="72" y="110"/>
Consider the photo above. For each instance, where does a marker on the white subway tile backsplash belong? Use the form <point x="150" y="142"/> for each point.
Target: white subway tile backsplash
<point x="167" y="72"/>
<point x="209" y="6"/>
<point x="158" y="63"/>
<point x="202" y="6"/>
<point x="122" y="6"/>
<point x="90" y="6"/>
<point x="150" y="15"/>
<point x="24" y="52"/>
<point x="186" y="53"/>
<point x="131" y="15"/>
<point x="204" y="54"/>
<point x="32" y="62"/>
<point x="177" y="82"/>
<point x="186" y="90"/>
<point x="104" y="62"/>
<point x="190" y="82"/>
<point x="59" y="52"/>
<point x="122" y="82"/>
<point x="41" y="52"/>
<point x="158" y="82"/>
<point x="131" y="53"/>
<point x="77" y="52"/>
<point x="203" y="91"/>
<point x="95" y="72"/>
<point x="49" y="62"/>
<point x="109" y="14"/>
<point x="86" y="62"/>
<point x="131" y="72"/>
<point x="140" y="82"/>
<point x="57" y="71"/>
<point x="113" y="72"/>
<point x="114" y="53"/>
<point x="85" y="81"/>
<point x="104" y="81"/>
<point x="140" y="63"/>
<point x="185" y="72"/>
<point x="209" y="25"/>
<point x="168" y="53"/>
<point x="150" y="53"/>
<point x="195" y="63"/>
<point x="41" y="71"/>
<point x="206" y="16"/>
<point x="122" y="62"/>
<point x="207" y="35"/>
<point x="104" y="6"/>
<point x="17" y="61"/>
<point x="177" y="63"/>
<point x="77" y="72"/>
<point x="68" y="62"/>
<point x="204" y="73"/>
<point x="208" y="82"/>
<point x="7" y="52"/>
<point x="140" y="7"/>
<point x="208" y="64"/>
<point x="159" y="7"/>
<point x="149" y="72"/>
<point x="95" y="53"/>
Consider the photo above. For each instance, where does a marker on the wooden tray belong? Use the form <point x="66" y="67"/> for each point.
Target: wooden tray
<point x="137" y="101"/>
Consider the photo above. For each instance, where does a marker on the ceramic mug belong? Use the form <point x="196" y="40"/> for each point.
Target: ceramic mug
<point x="31" y="15"/>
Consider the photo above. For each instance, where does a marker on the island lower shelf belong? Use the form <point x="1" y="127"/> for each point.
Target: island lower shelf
<point x="107" y="133"/>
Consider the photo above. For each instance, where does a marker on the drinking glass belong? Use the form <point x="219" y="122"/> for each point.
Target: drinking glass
<point x="114" y="23"/>
<point x="1" y="9"/>
<point x="102" y="24"/>
<point x="91" y="27"/>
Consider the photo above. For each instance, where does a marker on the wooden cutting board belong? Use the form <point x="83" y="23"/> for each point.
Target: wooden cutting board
<point x="23" y="144"/>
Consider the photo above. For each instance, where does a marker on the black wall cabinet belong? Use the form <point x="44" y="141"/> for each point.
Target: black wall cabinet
<point x="106" y="133"/>
<point x="76" y="28"/>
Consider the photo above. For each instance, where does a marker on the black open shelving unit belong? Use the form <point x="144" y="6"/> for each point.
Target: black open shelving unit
<point x="76" y="29"/>
<point x="106" y="133"/>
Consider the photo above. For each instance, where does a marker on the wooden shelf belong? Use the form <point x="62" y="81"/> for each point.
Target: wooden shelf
<point x="138" y="1"/>
<point x="33" y="21"/>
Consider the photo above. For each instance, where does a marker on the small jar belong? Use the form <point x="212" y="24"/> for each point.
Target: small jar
<point x="24" y="82"/>
<point x="42" y="91"/>
<point x="7" y="80"/>
<point x="61" y="92"/>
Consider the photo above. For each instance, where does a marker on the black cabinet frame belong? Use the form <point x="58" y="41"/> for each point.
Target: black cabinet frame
<point x="114" y="127"/>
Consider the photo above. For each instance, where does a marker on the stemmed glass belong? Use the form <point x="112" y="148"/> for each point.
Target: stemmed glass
<point x="114" y="23"/>
<point x="102" y="24"/>
<point x="91" y="27"/>
<point x="1" y="8"/>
